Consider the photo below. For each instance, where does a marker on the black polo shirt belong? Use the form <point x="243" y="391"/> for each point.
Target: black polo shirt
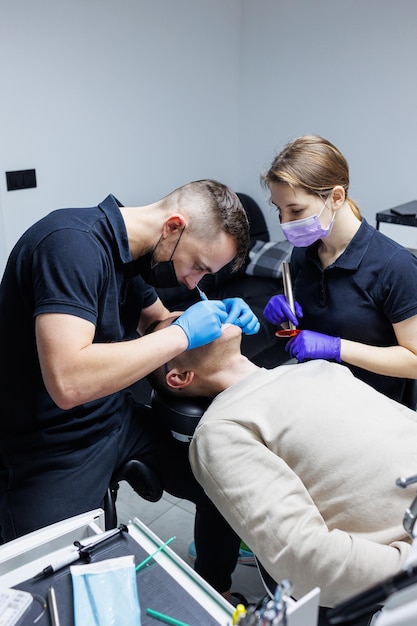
<point x="371" y="286"/>
<point x="77" y="262"/>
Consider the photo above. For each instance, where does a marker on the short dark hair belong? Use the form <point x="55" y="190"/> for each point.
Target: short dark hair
<point x="219" y="209"/>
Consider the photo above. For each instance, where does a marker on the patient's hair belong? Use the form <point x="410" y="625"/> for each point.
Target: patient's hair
<point x="217" y="209"/>
<point x="311" y="163"/>
<point x="190" y="360"/>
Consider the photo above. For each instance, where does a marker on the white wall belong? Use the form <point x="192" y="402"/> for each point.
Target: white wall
<point x="133" y="97"/>
<point x="136" y="97"/>
<point x="345" y="69"/>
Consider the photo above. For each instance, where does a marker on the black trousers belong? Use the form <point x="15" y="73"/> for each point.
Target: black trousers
<point x="39" y="490"/>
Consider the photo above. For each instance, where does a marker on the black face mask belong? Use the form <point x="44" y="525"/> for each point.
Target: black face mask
<point x="160" y="274"/>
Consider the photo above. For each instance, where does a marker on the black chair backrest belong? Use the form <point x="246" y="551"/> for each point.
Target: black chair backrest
<point x="257" y="222"/>
<point x="181" y="415"/>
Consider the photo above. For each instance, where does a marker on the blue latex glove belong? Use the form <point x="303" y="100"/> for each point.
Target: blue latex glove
<point x="311" y="345"/>
<point x="202" y="322"/>
<point x="240" y="314"/>
<point x="278" y="311"/>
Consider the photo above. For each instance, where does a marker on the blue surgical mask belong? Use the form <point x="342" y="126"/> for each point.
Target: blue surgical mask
<point x="304" y="232"/>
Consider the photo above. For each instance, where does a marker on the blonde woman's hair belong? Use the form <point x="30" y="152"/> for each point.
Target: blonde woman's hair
<point x="313" y="164"/>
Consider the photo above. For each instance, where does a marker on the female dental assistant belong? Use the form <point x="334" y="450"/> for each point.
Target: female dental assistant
<point x="355" y="290"/>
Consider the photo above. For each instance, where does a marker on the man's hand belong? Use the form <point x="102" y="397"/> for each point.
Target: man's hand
<point x="202" y="322"/>
<point x="240" y="314"/>
<point x="278" y="311"/>
<point x="311" y="345"/>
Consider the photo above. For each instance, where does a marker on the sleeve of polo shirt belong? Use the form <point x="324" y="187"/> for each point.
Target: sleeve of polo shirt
<point x="398" y="286"/>
<point x="144" y="295"/>
<point x="69" y="274"/>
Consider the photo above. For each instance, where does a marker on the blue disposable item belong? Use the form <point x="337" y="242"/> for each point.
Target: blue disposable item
<point x="202" y="322"/>
<point x="105" y="593"/>
<point x="240" y="314"/>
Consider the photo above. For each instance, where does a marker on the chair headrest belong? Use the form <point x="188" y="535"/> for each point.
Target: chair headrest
<point x="181" y="415"/>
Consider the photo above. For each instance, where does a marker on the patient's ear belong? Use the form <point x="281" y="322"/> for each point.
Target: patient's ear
<point x="177" y="379"/>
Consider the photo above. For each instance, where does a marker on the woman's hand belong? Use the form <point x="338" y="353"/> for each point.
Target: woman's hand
<point x="278" y="311"/>
<point x="311" y="345"/>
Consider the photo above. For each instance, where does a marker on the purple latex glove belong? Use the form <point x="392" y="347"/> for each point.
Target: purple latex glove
<point x="311" y="345"/>
<point x="240" y="314"/>
<point x="278" y="311"/>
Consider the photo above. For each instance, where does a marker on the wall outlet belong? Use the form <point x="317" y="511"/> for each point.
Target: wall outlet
<point x="20" y="179"/>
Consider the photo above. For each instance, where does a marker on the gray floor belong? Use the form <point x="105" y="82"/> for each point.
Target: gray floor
<point x="172" y="516"/>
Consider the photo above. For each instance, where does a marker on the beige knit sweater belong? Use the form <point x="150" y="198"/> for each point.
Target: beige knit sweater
<point x="302" y="461"/>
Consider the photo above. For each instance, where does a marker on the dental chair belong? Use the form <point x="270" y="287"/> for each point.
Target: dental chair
<point x="181" y="417"/>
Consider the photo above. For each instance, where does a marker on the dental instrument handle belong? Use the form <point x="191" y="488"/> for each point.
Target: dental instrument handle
<point x="286" y="279"/>
<point x="201" y="293"/>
